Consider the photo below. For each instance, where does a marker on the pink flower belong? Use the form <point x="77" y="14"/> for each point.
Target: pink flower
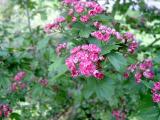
<point x="60" y="47"/>
<point x="92" y="13"/>
<point x="126" y="75"/>
<point x="118" y="35"/>
<point x="49" y="27"/>
<point x="76" y="49"/>
<point x="83" y="60"/>
<point x="94" y="48"/>
<point x="87" y="68"/>
<point x="43" y="82"/>
<point x="98" y="9"/>
<point x="0" y="113"/>
<point x="94" y="57"/>
<point x="79" y="9"/>
<point x="97" y="24"/>
<point x="98" y="74"/>
<point x="132" y="67"/>
<point x="75" y="73"/>
<point x="19" y="76"/>
<point x="17" y="86"/>
<point x="119" y="115"/>
<point x="106" y="37"/>
<point x="133" y="46"/>
<point x="59" y="19"/>
<point x="84" y="18"/>
<point x="22" y="86"/>
<point x="128" y="36"/>
<point x="5" y="110"/>
<point x="14" y="87"/>
<point x="138" y="77"/>
<point x="149" y="63"/>
<point x="148" y="74"/>
<point x="155" y="91"/>
<point x="74" y="19"/>
<point x="71" y="12"/>
<point x="156" y="98"/>
<point x="142" y="66"/>
<point x="91" y="4"/>
<point x="98" y="35"/>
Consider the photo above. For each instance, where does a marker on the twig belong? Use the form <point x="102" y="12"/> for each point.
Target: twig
<point x="156" y="40"/>
<point x="28" y="16"/>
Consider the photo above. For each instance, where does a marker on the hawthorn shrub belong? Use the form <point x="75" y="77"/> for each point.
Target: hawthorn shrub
<point x="93" y="72"/>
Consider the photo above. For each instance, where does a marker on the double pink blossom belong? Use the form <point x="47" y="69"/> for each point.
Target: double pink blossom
<point x="18" y="86"/>
<point x="155" y="92"/>
<point x="54" y="25"/>
<point x="60" y="47"/>
<point x="104" y="33"/>
<point x="5" y="110"/>
<point x="119" y="115"/>
<point x="79" y="8"/>
<point x="138" y="77"/>
<point x="43" y="82"/>
<point x="19" y="76"/>
<point x="83" y="60"/>
<point x="84" y="18"/>
<point x="142" y="69"/>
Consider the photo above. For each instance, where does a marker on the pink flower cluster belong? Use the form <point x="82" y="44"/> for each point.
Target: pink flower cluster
<point x="156" y="91"/>
<point x="18" y="84"/>
<point x="141" y="69"/>
<point x="43" y="82"/>
<point x="104" y="33"/>
<point x="119" y="115"/>
<point x="83" y="60"/>
<point x="92" y="9"/>
<point x="60" y="47"/>
<point x="5" y="110"/>
<point x="55" y="25"/>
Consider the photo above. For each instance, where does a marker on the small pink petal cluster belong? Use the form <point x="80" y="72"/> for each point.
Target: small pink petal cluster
<point x="91" y="8"/>
<point x="83" y="60"/>
<point x="19" y="76"/>
<point x="141" y="69"/>
<point x="5" y="110"/>
<point x="156" y="91"/>
<point x="119" y="115"/>
<point x="43" y="82"/>
<point x="60" y="47"/>
<point x="17" y="84"/>
<point x="104" y="33"/>
<point x="55" y="25"/>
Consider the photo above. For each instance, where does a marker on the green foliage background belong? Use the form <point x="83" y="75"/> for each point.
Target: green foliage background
<point x="25" y="46"/>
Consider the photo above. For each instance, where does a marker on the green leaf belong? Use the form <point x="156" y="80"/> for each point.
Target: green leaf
<point x="147" y="110"/>
<point x="15" y="116"/>
<point x="103" y="18"/>
<point x="104" y="89"/>
<point x="118" y="61"/>
<point x="58" y="68"/>
<point x="148" y="84"/>
<point x="86" y="31"/>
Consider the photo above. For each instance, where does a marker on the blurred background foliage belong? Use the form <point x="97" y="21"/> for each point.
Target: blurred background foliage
<point x="23" y="41"/>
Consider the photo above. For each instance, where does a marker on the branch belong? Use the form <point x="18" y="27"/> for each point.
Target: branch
<point x="156" y="40"/>
<point x="28" y="16"/>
